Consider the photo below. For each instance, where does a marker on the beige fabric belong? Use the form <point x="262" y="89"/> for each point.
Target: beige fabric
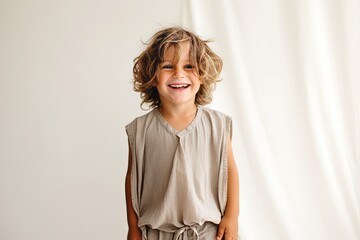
<point x="207" y="231"/>
<point x="179" y="179"/>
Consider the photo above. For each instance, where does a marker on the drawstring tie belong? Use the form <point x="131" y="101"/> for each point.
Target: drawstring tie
<point x="183" y="232"/>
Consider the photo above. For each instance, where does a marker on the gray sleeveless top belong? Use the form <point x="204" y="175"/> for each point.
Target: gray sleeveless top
<point x="179" y="179"/>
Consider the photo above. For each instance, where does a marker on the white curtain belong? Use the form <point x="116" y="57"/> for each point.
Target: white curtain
<point x="291" y="82"/>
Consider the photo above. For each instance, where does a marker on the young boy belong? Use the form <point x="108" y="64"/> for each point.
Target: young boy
<point x="182" y="180"/>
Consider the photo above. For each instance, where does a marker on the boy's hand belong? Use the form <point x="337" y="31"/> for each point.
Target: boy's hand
<point x="228" y="228"/>
<point x="134" y="233"/>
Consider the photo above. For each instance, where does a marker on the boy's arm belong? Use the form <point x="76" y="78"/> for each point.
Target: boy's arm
<point x="134" y="231"/>
<point x="229" y="224"/>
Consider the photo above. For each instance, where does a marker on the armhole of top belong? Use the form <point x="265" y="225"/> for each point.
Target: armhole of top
<point x="133" y="177"/>
<point x="229" y="123"/>
<point x="223" y="183"/>
<point x="129" y="133"/>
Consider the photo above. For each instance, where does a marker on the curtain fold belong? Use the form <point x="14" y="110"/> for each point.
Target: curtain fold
<point x="291" y="82"/>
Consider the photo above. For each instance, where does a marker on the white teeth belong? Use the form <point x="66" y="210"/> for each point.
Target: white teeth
<point x="178" y="85"/>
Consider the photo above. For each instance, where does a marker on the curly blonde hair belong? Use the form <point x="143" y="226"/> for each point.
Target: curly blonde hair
<point x="206" y="63"/>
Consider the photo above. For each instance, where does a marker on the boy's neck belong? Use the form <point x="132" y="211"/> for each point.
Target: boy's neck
<point x="178" y="111"/>
<point x="179" y="117"/>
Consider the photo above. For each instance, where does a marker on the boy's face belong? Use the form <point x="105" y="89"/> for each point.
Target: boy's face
<point x="178" y="83"/>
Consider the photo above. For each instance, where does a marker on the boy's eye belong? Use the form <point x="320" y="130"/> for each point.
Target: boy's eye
<point x="167" y="66"/>
<point x="189" y="66"/>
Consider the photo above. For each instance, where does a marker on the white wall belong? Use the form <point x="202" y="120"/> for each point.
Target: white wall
<point x="65" y="96"/>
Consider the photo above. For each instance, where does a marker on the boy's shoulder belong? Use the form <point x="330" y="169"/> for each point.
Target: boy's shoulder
<point x="142" y="118"/>
<point x="214" y="113"/>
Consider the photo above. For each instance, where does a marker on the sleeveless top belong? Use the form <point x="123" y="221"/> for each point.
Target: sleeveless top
<point x="179" y="179"/>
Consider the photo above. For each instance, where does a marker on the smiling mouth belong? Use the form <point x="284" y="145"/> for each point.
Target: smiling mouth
<point x="177" y="86"/>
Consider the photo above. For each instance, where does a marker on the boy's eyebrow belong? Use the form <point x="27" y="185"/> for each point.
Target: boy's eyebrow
<point x="171" y="61"/>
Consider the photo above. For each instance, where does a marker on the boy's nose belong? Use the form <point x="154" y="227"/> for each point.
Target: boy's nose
<point x="179" y="73"/>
